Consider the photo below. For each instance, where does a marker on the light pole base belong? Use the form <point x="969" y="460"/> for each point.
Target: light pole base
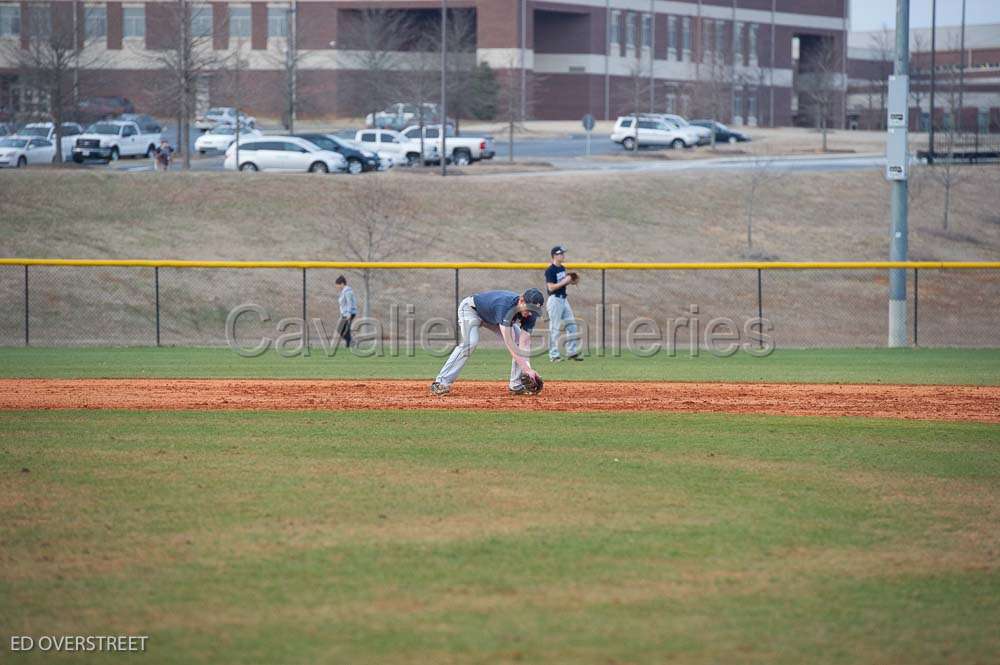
<point x="897" y="324"/>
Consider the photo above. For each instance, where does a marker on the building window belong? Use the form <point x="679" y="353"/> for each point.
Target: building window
<point x="751" y="107"/>
<point x="752" y="39"/>
<point x="95" y="21"/>
<point x="647" y="30"/>
<point x="40" y="21"/>
<point x="706" y="33"/>
<point x="134" y="22"/>
<point x="686" y="36"/>
<point x="277" y="22"/>
<point x="201" y="21"/>
<point x="738" y="44"/>
<point x="672" y="102"/>
<point x="671" y="37"/>
<point x="630" y="32"/>
<point x="239" y="22"/>
<point x="720" y="38"/>
<point x="615" y="27"/>
<point x="737" y="104"/>
<point x="10" y="20"/>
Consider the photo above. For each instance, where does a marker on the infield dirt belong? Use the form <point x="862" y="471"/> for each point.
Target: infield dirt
<point x="967" y="403"/>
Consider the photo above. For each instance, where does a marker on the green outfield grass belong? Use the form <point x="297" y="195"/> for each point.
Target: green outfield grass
<point x="927" y="366"/>
<point x="470" y="537"/>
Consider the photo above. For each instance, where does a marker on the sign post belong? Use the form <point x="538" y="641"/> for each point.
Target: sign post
<point x="588" y="126"/>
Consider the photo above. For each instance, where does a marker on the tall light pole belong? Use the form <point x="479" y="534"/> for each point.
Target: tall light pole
<point x="961" y="72"/>
<point x="933" y="75"/>
<point x="444" y="87"/>
<point x="899" y="238"/>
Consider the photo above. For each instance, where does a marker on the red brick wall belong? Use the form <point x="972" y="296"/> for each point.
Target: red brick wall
<point x="220" y="25"/>
<point x="499" y="24"/>
<point x="115" y="17"/>
<point x="258" y="22"/>
<point x="316" y="25"/>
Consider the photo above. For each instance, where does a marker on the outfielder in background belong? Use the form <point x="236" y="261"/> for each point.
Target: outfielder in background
<point x="557" y="279"/>
<point x="348" y="310"/>
<point x="509" y="315"/>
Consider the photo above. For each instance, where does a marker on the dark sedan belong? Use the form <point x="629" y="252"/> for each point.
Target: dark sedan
<point x="723" y="134"/>
<point x="358" y="160"/>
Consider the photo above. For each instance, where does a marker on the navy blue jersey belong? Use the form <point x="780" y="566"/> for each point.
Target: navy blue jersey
<point x="500" y="308"/>
<point x="553" y="274"/>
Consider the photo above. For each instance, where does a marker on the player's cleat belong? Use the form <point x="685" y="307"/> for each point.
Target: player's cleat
<point x="557" y="359"/>
<point x="519" y="390"/>
<point x="577" y="357"/>
<point x="439" y="389"/>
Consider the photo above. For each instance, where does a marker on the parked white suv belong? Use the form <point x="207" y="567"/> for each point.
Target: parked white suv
<point x="650" y="132"/>
<point x="111" y="139"/>
<point x="283" y="153"/>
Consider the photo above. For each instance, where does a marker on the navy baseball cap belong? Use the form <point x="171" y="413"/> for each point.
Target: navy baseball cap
<point x="558" y="249"/>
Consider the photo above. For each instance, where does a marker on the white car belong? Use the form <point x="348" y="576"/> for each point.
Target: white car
<point x="651" y="132"/>
<point x="399" y="115"/>
<point x="392" y="146"/>
<point x="111" y="139"/>
<point x="220" y="137"/>
<point x="47" y="130"/>
<point x="283" y="153"/>
<point x="704" y="134"/>
<point x="222" y="115"/>
<point x="19" y="151"/>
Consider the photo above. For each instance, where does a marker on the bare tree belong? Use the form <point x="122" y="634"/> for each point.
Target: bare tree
<point x="819" y="83"/>
<point x="464" y="95"/>
<point x="374" y="228"/>
<point x="883" y="48"/>
<point x="917" y="90"/>
<point x="189" y="60"/>
<point x="515" y="100"/>
<point x="759" y="174"/>
<point x="284" y="53"/>
<point x="374" y="41"/>
<point x="948" y="171"/>
<point x="49" y="63"/>
<point x="712" y="95"/>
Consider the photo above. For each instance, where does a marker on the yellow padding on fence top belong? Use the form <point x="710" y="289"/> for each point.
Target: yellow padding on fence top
<point x="469" y="265"/>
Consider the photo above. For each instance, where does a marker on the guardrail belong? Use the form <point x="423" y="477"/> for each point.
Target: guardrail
<point x="851" y="292"/>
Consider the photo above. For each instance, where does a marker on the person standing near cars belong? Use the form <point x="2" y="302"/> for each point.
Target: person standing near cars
<point x="556" y="279"/>
<point x="348" y="310"/>
<point x="163" y="155"/>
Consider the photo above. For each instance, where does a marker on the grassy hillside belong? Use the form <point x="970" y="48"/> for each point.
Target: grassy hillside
<point x="639" y="217"/>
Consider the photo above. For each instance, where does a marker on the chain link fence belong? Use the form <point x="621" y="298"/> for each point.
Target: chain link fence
<point x="60" y="305"/>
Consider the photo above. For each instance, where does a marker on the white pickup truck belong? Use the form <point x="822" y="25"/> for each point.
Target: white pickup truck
<point x="47" y="131"/>
<point x="462" y="150"/>
<point x="394" y="148"/>
<point x="111" y="139"/>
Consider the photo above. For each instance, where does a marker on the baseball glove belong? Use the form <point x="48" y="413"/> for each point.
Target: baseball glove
<point x="532" y="385"/>
<point x="574" y="278"/>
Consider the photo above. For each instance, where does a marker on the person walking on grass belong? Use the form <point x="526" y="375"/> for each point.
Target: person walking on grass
<point x="556" y="280"/>
<point x="164" y="155"/>
<point x="348" y="310"/>
<point x="512" y="317"/>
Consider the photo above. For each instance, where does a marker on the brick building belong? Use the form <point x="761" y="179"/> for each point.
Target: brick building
<point x="744" y="61"/>
<point x="870" y="62"/>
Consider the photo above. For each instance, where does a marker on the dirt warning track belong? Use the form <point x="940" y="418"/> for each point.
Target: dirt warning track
<point x="975" y="403"/>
